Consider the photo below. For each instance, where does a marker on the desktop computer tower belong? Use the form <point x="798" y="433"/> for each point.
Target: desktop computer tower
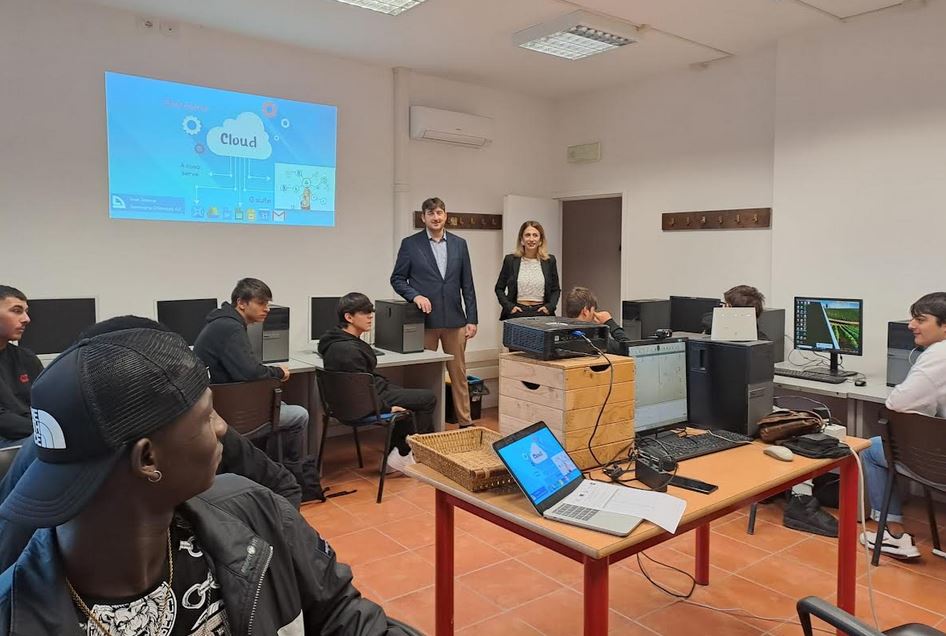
<point x="729" y="384"/>
<point x="772" y="324"/>
<point x="398" y="326"/>
<point x="641" y="318"/>
<point x="270" y="339"/>
<point x="902" y="352"/>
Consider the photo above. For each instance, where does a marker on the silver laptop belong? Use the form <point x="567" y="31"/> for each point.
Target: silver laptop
<point x="556" y="487"/>
<point x="735" y="324"/>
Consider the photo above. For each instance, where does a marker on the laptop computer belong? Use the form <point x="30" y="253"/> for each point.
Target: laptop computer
<point x="556" y="487"/>
<point x="735" y="324"/>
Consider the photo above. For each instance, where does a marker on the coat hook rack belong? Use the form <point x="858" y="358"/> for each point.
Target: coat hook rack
<point x="741" y="219"/>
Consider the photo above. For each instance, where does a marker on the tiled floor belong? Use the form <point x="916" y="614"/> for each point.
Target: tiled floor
<point x="507" y="585"/>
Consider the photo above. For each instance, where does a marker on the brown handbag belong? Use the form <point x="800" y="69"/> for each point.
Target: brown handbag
<point x="784" y="424"/>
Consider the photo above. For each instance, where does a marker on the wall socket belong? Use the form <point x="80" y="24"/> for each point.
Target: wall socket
<point x="169" y="28"/>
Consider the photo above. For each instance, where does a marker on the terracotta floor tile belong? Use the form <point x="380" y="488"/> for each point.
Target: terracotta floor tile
<point x="632" y="595"/>
<point x="791" y="578"/>
<point x="554" y="565"/>
<point x="391" y="508"/>
<point x="560" y="614"/>
<point x="662" y="570"/>
<point x="364" y="546"/>
<point x="415" y="531"/>
<point x="892" y="612"/>
<point x="421" y="496"/>
<point x="395" y="575"/>
<point x="727" y="553"/>
<point x="508" y="584"/>
<point x="499" y="538"/>
<point x="735" y="591"/>
<point x="928" y="563"/>
<point x="500" y="625"/>
<point x="917" y="589"/>
<point x="768" y="536"/>
<point x="823" y="555"/>
<point x="329" y="520"/>
<point x="469" y="554"/>
<point x="683" y="619"/>
<point x="365" y="492"/>
<point x="417" y="608"/>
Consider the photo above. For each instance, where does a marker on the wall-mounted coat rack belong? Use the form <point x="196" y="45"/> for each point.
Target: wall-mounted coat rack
<point x="465" y="221"/>
<point x="744" y="219"/>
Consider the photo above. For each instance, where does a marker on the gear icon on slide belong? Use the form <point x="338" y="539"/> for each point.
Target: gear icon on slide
<point x="191" y="125"/>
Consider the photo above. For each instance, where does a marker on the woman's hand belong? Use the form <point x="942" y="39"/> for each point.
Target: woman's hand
<point x="544" y="310"/>
<point x="515" y="310"/>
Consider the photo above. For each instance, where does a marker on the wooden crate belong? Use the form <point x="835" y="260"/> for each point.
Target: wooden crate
<point x="568" y="396"/>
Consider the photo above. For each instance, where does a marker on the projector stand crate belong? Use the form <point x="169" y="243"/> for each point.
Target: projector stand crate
<point x="567" y="395"/>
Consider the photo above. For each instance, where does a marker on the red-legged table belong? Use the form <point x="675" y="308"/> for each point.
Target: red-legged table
<point x="744" y="475"/>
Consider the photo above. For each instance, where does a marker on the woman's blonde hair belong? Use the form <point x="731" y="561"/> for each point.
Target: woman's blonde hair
<point x="543" y="246"/>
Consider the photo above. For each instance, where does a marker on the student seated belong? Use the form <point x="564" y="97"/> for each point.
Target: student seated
<point x="922" y="391"/>
<point x="740" y="296"/>
<point x="582" y="304"/>
<point x="225" y="348"/>
<point x="342" y="349"/>
<point x="135" y="535"/>
<point x="19" y="368"/>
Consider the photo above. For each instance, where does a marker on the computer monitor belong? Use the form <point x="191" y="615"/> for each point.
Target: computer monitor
<point x="185" y="317"/>
<point x="322" y="315"/>
<point x="830" y="325"/>
<point x="55" y="323"/>
<point x="686" y="312"/>
<point x="660" y="383"/>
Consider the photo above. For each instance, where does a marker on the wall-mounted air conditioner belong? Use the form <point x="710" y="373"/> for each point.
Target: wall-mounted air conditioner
<point x="450" y="127"/>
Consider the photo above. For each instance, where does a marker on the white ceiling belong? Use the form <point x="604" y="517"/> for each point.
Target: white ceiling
<point x="471" y="40"/>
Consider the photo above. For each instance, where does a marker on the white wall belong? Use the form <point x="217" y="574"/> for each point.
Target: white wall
<point x="691" y="140"/>
<point x="860" y="167"/>
<point x="53" y="172"/>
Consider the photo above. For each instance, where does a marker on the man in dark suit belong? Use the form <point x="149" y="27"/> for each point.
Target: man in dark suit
<point x="433" y="271"/>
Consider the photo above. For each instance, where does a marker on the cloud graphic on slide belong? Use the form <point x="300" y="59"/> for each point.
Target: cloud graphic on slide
<point x="240" y="137"/>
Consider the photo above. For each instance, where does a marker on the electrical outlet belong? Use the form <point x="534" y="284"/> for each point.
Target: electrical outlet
<point x="146" y="24"/>
<point x="169" y="28"/>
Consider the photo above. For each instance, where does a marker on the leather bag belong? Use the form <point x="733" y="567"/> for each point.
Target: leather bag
<point x="785" y="424"/>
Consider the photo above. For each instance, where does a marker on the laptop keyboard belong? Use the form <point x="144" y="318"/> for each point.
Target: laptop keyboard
<point x="570" y="511"/>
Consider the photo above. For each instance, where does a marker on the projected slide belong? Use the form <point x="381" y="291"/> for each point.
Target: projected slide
<point x="178" y="152"/>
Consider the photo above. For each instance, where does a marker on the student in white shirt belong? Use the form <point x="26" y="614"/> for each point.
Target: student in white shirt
<point x="923" y="391"/>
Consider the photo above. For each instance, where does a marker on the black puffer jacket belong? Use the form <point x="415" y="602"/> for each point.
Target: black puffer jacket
<point x="342" y="351"/>
<point x="276" y="575"/>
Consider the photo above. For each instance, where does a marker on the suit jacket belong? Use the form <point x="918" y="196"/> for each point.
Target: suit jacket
<point x="507" y="285"/>
<point x="416" y="274"/>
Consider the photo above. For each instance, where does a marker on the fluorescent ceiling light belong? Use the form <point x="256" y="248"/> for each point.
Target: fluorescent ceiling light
<point x="576" y="35"/>
<point x="390" y="7"/>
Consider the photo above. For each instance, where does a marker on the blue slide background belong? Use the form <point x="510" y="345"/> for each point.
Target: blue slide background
<point x="178" y="152"/>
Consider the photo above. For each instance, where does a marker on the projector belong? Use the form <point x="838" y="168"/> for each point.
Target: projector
<point x="550" y="337"/>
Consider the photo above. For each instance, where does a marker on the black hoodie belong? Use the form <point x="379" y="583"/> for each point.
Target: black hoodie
<point x="342" y="351"/>
<point x="19" y="368"/>
<point x="225" y="348"/>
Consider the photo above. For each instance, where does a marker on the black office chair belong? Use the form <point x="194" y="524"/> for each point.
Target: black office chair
<point x="839" y="619"/>
<point x="252" y="408"/>
<point x="915" y="448"/>
<point x="7" y="455"/>
<point x="351" y="399"/>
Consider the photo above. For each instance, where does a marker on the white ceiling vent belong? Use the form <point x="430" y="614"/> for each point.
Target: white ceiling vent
<point x="447" y="126"/>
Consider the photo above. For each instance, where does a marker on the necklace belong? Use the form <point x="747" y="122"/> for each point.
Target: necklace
<point x="164" y="603"/>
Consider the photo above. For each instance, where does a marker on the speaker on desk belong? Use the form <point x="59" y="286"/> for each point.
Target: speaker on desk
<point x="901" y="351"/>
<point x="642" y="318"/>
<point x="729" y="384"/>
<point x="270" y="339"/>
<point x="398" y="326"/>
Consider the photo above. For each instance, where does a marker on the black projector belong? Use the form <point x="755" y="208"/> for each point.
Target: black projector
<point x="550" y="337"/>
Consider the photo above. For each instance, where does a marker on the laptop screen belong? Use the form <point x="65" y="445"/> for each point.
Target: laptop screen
<point x="539" y="464"/>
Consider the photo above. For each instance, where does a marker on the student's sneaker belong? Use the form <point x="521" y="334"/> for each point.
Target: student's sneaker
<point x="940" y="553"/>
<point x="901" y="547"/>
<point x="804" y="513"/>
<point x="398" y="462"/>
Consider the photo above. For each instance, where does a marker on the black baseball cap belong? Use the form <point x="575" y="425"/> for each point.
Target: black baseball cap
<point x="88" y="405"/>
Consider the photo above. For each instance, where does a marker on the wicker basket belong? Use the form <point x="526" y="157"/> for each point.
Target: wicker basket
<point x="466" y="456"/>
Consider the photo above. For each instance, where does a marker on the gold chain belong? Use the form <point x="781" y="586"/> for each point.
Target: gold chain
<point x="164" y="604"/>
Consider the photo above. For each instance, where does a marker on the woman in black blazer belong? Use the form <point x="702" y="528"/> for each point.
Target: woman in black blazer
<point x="528" y="282"/>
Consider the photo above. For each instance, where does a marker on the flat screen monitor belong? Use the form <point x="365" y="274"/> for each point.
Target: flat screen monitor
<point x="660" y="383"/>
<point x="185" y="317"/>
<point x="55" y="323"/>
<point x="687" y="312"/>
<point x="830" y="325"/>
<point x="322" y="316"/>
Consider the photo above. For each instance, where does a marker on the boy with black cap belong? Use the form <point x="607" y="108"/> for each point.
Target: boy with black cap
<point x="127" y="442"/>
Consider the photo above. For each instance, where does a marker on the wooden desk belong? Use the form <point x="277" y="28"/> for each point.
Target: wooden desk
<point x="744" y="475"/>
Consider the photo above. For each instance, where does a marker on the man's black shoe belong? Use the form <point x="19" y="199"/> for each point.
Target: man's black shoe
<point x="804" y="513"/>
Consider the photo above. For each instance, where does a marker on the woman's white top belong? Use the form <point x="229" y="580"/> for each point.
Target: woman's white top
<point x="531" y="280"/>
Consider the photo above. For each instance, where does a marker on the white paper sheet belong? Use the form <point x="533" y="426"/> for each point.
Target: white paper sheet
<point x="659" y="508"/>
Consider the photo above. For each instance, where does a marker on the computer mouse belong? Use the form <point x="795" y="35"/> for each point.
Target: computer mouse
<point x="779" y="452"/>
<point x="861" y="382"/>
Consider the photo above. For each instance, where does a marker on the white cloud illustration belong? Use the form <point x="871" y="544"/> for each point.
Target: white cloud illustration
<point x="240" y="137"/>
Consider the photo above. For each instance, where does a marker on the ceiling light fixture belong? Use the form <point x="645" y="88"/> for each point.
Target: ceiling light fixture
<point x="576" y="35"/>
<point x="390" y="7"/>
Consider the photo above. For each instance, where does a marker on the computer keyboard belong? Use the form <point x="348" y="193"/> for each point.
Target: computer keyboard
<point x="572" y="511"/>
<point x="810" y="375"/>
<point x="681" y="448"/>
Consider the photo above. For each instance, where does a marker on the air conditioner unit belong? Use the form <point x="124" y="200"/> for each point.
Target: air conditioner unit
<point x="450" y="127"/>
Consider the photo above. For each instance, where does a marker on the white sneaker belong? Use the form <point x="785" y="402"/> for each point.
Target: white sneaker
<point x="901" y="547"/>
<point x="398" y="462"/>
